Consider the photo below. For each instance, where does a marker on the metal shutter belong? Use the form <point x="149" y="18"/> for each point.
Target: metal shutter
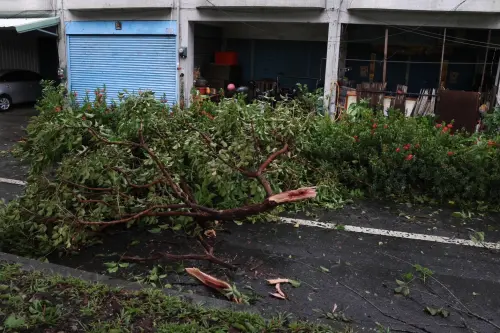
<point x="123" y="62"/>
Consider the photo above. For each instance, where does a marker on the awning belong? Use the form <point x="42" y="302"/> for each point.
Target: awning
<point x="29" y="24"/>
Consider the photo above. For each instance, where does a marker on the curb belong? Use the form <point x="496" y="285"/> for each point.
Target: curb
<point x="31" y="265"/>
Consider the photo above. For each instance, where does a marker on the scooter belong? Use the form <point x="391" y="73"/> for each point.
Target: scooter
<point x="272" y="96"/>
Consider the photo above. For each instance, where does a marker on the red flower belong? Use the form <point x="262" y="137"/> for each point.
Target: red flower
<point x="491" y="143"/>
<point x="57" y="109"/>
<point x="398" y="150"/>
<point x="439" y="125"/>
<point x="450" y="126"/>
<point x="407" y="147"/>
<point x="374" y="126"/>
<point x="445" y="129"/>
<point x="386" y="126"/>
<point x="450" y="153"/>
<point x="84" y="118"/>
<point x="417" y="146"/>
<point x="356" y="138"/>
<point x="409" y="157"/>
<point x="75" y="94"/>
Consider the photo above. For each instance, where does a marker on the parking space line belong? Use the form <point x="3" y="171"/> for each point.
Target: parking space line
<point x="392" y="233"/>
<point x="12" y="181"/>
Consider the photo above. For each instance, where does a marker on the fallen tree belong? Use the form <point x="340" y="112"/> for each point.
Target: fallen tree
<point x="95" y="166"/>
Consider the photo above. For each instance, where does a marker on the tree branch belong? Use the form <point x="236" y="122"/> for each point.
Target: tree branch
<point x="208" y="256"/>
<point x="146" y="212"/>
<point x="154" y="182"/>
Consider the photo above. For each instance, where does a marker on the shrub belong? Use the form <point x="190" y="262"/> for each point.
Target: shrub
<point x="77" y="177"/>
<point x="407" y="157"/>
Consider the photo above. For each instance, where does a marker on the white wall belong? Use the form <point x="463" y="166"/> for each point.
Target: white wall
<point x="312" y="4"/>
<point x="26" y="8"/>
<point x="32" y="5"/>
<point x="486" y="6"/>
<point x="116" y="4"/>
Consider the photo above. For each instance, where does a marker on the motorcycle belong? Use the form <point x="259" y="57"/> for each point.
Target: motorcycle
<point x="274" y="95"/>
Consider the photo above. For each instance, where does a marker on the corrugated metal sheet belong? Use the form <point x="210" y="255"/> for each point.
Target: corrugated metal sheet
<point x="20" y="53"/>
<point x="123" y="62"/>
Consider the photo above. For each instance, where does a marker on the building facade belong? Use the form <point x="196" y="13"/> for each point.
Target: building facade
<point x="127" y="44"/>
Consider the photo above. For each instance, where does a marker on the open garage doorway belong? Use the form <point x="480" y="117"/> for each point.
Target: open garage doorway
<point x="28" y="54"/>
<point x="262" y="52"/>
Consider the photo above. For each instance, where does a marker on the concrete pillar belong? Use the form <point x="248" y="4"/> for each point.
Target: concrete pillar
<point x="332" y="63"/>
<point x="61" y="39"/>
<point x="186" y="39"/>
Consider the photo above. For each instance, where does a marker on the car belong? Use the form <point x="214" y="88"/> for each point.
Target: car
<point x="18" y="86"/>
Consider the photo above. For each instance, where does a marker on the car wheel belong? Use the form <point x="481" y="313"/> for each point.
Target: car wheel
<point x="5" y="103"/>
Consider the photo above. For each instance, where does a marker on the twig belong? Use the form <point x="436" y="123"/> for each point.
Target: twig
<point x="146" y="212"/>
<point x="208" y="256"/>
<point x="94" y="201"/>
<point x="381" y="311"/>
<point x="255" y="139"/>
<point x="103" y="189"/>
<point x="466" y="309"/>
<point x="157" y="181"/>
<point x="255" y="174"/>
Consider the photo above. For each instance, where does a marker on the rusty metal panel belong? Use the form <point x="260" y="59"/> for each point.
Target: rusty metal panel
<point x="18" y="52"/>
<point x="460" y="106"/>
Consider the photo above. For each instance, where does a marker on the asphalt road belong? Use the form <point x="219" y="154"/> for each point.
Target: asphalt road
<point x="12" y="125"/>
<point x="354" y="273"/>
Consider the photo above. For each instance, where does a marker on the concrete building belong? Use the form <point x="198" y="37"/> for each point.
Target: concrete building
<point x="131" y="44"/>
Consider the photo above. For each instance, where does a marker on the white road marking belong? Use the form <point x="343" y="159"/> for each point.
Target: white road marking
<point x="12" y="181"/>
<point x="392" y="233"/>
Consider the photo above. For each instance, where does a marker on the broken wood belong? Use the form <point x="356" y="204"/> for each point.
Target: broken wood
<point x="186" y="204"/>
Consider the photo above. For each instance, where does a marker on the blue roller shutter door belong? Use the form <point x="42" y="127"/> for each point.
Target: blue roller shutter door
<point x="123" y="62"/>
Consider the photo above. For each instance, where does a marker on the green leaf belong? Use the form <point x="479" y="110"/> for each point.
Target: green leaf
<point x="123" y="264"/>
<point x="398" y="290"/>
<point x="177" y="227"/>
<point x="110" y="264"/>
<point x="14" y="322"/>
<point x="113" y="269"/>
<point x="431" y="311"/>
<point x="457" y="214"/>
<point x="294" y="283"/>
<point x="324" y="269"/>
<point x="406" y="291"/>
<point x="134" y="243"/>
<point x="444" y="313"/>
<point x="155" y="230"/>
<point x="400" y="283"/>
